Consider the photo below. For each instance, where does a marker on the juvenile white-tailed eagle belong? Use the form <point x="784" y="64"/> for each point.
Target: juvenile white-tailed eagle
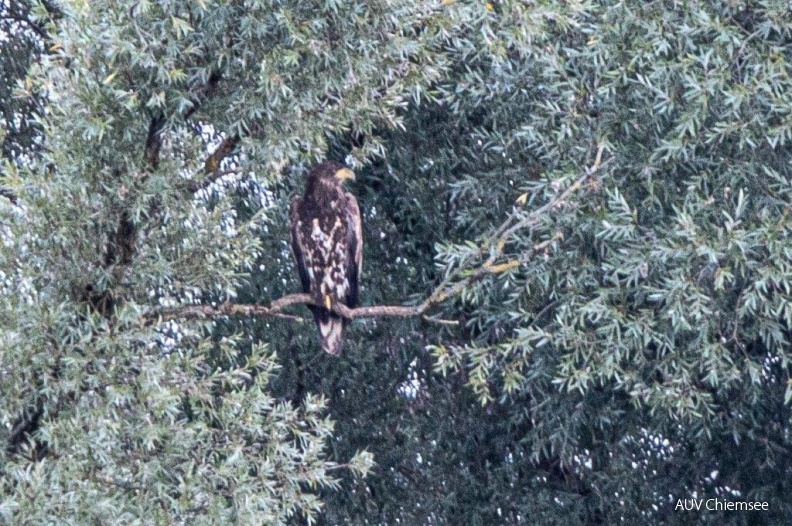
<point x="327" y="242"/>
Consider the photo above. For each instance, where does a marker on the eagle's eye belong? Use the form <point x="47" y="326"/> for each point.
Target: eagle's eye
<point x="344" y="173"/>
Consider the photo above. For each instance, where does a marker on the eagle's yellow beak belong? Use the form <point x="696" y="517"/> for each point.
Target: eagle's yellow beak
<point x="345" y="173"/>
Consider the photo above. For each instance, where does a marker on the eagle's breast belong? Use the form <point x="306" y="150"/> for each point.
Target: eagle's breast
<point x="327" y="261"/>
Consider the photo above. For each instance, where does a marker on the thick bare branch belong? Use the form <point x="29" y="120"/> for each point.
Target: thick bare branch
<point x="207" y="312"/>
<point x="275" y="309"/>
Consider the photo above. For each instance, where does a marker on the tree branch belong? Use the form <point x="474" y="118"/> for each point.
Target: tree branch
<point x="447" y="289"/>
<point x="276" y="307"/>
<point x="212" y="164"/>
<point x="206" y="91"/>
<point x="28" y="23"/>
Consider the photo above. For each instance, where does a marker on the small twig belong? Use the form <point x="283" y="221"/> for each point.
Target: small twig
<point x="545" y="310"/>
<point x="8" y="194"/>
<point x="29" y="23"/>
<point x="432" y="319"/>
<point x="503" y="267"/>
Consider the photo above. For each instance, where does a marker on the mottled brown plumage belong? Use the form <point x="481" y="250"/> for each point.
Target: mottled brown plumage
<point x="327" y="242"/>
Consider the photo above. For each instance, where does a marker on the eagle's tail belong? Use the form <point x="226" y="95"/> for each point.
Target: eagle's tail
<point x="331" y="330"/>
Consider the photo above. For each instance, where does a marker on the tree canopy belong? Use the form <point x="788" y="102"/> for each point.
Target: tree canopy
<point x="576" y="299"/>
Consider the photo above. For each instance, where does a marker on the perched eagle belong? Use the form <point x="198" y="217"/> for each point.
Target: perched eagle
<point x="327" y="242"/>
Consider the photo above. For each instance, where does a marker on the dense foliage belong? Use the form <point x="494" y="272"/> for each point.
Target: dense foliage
<point x="625" y="348"/>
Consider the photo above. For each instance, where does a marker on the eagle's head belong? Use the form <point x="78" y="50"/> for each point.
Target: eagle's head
<point x="330" y="173"/>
